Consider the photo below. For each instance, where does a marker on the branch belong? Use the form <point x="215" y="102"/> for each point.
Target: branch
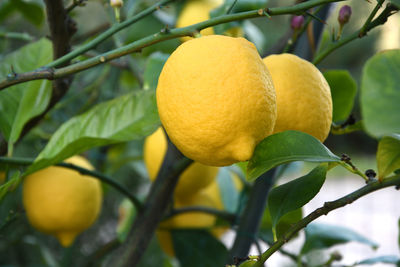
<point x="17" y="36"/>
<point x="153" y="39"/>
<point x="160" y="195"/>
<point x="324" y="210"/>
<point x="227" y="216"/>
<point x="381" y="19"/>
<point x="114" y="29"/>
<point x="104" y="178"/>
<point x="250" y="220"/>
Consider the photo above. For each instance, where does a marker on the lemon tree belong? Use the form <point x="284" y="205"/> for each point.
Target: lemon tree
<point x="196" y="117"/>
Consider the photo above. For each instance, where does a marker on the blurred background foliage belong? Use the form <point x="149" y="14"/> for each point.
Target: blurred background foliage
<point x="20" y="245"/>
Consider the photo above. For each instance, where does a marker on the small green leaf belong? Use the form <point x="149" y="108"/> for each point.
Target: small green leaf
<point x="153" y="69"/>
<point x="380" y="94"/>
<point x="320" y="236"/>
<point x="198" y="248"/>
<point x="388" y="155"/>
<point x="20" y="103"/>
<point x="381" y="259"/>
<point x="343" y="90"/>
<point x="229" y="194"/>
<point x="129" y="117"/>
<point x="295" y="194"/>
<point x="286" y="147"/>
<point x="283" y="225"/>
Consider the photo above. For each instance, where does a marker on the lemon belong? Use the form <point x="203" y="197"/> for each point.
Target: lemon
<point x="303" y="96"/>
<point x="195" y="11"/>
<point x="62" y="202"/>
<point x="216" y="99"/>
<point x="192" y="180"/>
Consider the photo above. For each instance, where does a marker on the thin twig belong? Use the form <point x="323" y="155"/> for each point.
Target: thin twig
<point x="324" y="210"/>
<point x="381" y="19"/>
<point x="104" y="178"/>
<point x="74" y="4"/>
<point x="17" y="36"/>
<point x="150" y="40"/>
<point x="363" y="30"/>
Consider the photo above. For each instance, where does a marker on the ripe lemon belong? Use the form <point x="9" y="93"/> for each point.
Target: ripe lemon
<point x="303" y="96"/>
<point x="62" y="202"/>
<point x="192" y="180"/>
<point x="195" y="11"/>
<point x="216" y="99"/>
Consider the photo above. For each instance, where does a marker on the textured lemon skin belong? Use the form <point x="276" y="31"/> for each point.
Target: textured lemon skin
<point x="196" y="177"/>
<point x="303" y="96"/>
<point x="62" y="202"/>
<point x="216" y="99"/>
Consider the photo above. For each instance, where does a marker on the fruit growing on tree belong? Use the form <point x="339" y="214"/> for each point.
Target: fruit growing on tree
<point x="303" y="96"/>
<point x="62" y="202"/>
<point x="216" y="99"/>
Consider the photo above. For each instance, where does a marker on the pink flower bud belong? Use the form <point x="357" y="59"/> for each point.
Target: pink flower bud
<point x="344" y="14"/>
<point x="297" y="22"/>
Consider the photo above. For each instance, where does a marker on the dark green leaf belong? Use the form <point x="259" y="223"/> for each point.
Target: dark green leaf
<point x="153" y="69"/>
<point x="20" y="103"/>
<point x="154" y="256"/>
<point x="320" y="236"/>
<point x="380" y="94"/>
<point x="197" y="248"/>
<point x="286" y="147"/>
<point x="343" y="90"/>
<point x="381" y="259"/>
<point x="6" y="9"/>
<point x="229" y="194"/>
<point x="30" y="10"/>
<point x="295" y="194"/>
<point x="129" y="117"/>
<point x="388" y="155"/>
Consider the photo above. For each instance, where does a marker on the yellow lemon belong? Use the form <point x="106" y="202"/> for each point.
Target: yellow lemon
<point x="216" y="99"/>
<point x="303" y="96"/>
<point x="62" y="202"/>
<point x="195" y="11"/>
<point x="192" y="180"/>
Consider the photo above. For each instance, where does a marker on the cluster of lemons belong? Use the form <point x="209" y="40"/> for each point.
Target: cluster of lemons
<point x="217" y="99"/>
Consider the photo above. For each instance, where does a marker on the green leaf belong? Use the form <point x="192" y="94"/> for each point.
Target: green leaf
<point x="388" y="155"/>
<point x="380" y="94"/>
<point x="295" y="194"/>
<point x="30" y="10"/>
<point x="320" y="236"/>
<point x="129" y="117"/>
<point x="10" y="185"/>
<point x="229" y="194"/>
<point x="198" y="248"/>
<point x="283" y="225"/>
<point x="381" y="259"/>
<point x="343" y="90"/>
<point x="153" y="69"/>
<point x="286" y="147"/>
<point x="20" y="103"/>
